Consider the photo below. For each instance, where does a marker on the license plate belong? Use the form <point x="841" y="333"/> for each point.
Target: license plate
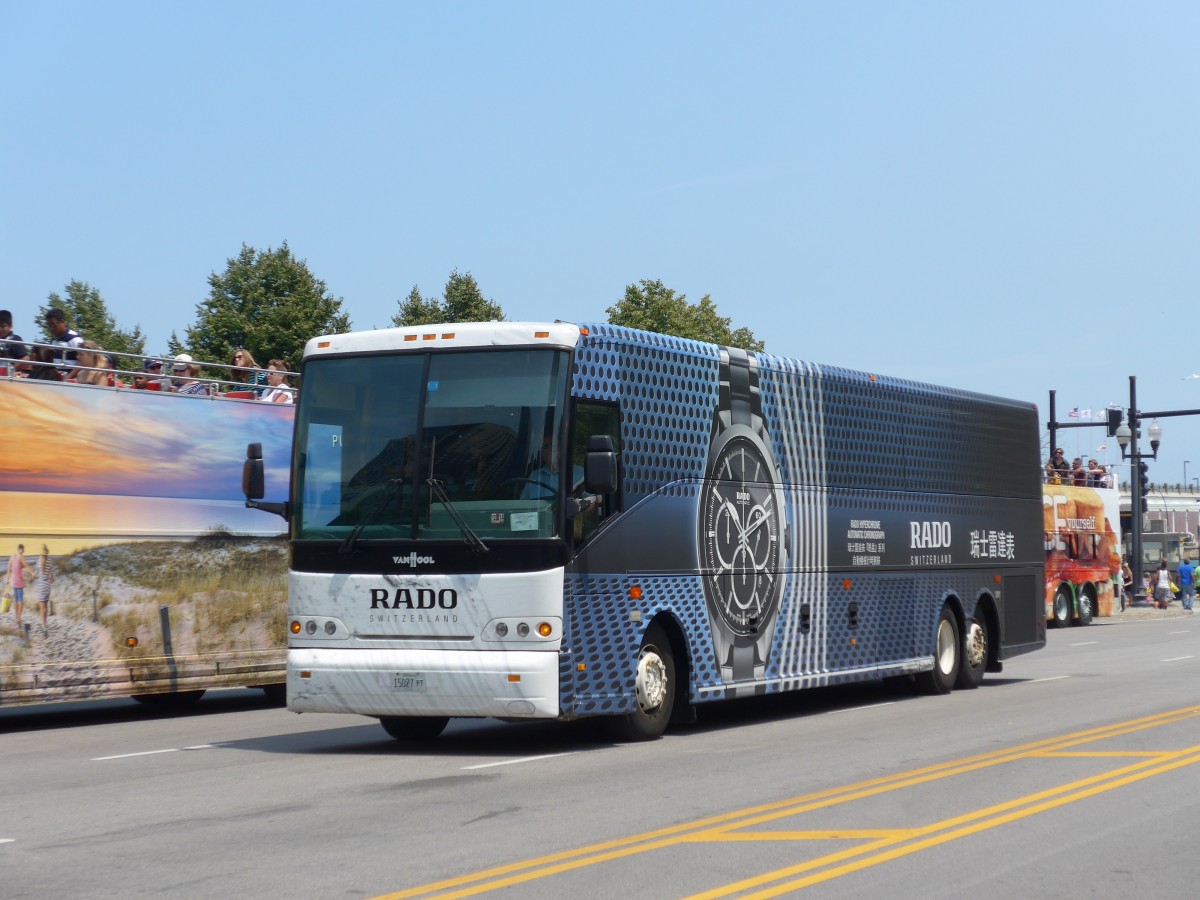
<point x="408" y="681"/>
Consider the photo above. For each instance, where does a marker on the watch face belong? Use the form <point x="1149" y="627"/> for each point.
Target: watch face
<point x="740" y="534"/>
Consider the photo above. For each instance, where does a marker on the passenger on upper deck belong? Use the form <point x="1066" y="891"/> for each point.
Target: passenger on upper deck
<point x="1097" y="475"/>
<point x="42" y="367"/>
<point x="278" y="392"/>
<point x="246" y="371"/>
<point x="187" y="376"/>
<point x="12" y="346"/>
<point x="1079" y="475"/>
<point x="1057" y="470"/>
<point x="93" y="366"/>
<point x="64" y="336"/>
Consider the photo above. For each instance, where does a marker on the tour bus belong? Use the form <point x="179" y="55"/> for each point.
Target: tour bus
<point x="1083" y="552"/>
<point x="141" y="571"/>
<point x="555" y="521"/>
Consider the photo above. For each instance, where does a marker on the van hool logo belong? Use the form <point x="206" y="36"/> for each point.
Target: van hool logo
<point x="412" y="560"/>
<point x="421" y="598"/>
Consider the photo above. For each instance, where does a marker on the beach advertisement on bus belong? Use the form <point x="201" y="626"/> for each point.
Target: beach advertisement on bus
<point x="1083" y="544"/>
<point x="130" y="561"/>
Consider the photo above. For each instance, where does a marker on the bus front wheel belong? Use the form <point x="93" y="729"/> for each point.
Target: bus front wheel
<point x="414" y="728"/>
<point x="947" y="655"/>
<point x="655" y="685"/>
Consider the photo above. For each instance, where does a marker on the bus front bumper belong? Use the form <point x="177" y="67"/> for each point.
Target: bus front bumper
<point x="500" y="683"/>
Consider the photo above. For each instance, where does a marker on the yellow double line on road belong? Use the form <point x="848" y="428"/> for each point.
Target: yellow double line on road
<point x="879" y="845"/>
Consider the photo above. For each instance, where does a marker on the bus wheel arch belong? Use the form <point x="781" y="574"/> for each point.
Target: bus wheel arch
<point x="947" y="651"/>
<point x="1063" y="607"/>
<point x="655" y="686"/>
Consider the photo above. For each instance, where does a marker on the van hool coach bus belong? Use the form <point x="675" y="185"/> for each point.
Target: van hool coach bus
<point x="557" y="521"/>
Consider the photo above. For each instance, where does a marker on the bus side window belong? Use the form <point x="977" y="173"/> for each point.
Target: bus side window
<point x="595" y="417"/>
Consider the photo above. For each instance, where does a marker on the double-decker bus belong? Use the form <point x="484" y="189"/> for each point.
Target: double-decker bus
<point x="540" y="521"/>
<point x="1083" y="552"/>
<point x="130" y="564"/>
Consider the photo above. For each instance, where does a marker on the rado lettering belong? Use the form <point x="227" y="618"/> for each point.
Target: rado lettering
<point x="929" y="535"/>
<point x="421" y="598"/>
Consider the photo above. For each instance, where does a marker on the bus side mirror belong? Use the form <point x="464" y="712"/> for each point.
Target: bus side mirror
<point x="253" y="482"/>
<point x="600" y="465"/>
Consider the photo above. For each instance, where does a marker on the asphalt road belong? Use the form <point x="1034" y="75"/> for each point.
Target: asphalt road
<point x="1074" y="773"/>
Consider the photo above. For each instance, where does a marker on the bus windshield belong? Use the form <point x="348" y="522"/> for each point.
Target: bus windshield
<point x="432" y="446"/>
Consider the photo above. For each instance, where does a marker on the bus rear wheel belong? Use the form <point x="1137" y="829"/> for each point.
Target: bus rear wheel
<point x="655" y="684"/>
<point x="974" y="654"/>
<point x="947" y="655"/>
<point x="1062" y="608"/>
<point x="1086" y="609"/>
<point x="414" y="728"/>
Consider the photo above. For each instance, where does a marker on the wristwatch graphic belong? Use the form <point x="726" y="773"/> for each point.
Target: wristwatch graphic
<point x="742" y="525"/>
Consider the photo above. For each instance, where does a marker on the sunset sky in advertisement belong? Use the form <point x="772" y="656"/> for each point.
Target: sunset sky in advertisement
<point x="124" y="442"/>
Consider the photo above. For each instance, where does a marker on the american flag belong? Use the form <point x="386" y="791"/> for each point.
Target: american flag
<point x="1074" y="413"/>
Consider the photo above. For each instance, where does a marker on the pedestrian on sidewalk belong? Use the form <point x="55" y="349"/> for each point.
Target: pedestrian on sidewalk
<point x="1162" y="586"/>
<point x="1187" y="584"/>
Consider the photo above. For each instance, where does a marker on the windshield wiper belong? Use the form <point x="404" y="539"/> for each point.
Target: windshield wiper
<point x="391" y="488"/>
<point x="469" y="536"/>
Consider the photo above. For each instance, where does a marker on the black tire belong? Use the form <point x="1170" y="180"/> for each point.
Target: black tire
<point x="1087" y="609"/>
<point x="1062" y="608"/>
<point x="414" y="728"/>
<point x="947" y="656"/>
<point x="655" y="685"/>
<point x="975" y="647"/>
<point x="276" y="694"/>
<point x="169" y="700"/>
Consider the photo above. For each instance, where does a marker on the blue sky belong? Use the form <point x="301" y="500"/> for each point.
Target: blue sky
<point x="999" y="197"/>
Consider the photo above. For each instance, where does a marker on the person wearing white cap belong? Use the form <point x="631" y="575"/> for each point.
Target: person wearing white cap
<point x="186" y="372"/>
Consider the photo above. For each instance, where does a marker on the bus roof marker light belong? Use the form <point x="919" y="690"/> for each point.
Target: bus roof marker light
<point x="429" y="337"/>
<point x="410" y="337"/>
<point x="322" y="345"/>
<point x="541" y="334"/>
<point x="448" y="336"/>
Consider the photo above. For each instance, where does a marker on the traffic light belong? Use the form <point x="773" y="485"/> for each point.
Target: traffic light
<point x="1144" y="476"/>
<point x="1114" y="421"/>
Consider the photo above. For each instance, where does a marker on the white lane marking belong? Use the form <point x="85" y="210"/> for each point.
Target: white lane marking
<point x="834" y="712"/>
<point x="152" y="752"/>
<point x="523" y="759"/>
<point x="7" y="840"/>
<point x="1051" y="678"/>
<point x="1083" y="644"/>
<point x="1185" y="631"/>
<point x="1177" y="658"/>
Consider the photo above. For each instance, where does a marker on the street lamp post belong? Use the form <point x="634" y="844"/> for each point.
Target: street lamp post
<point x="1127" y="437"/>
<point x="1185" y="465"/>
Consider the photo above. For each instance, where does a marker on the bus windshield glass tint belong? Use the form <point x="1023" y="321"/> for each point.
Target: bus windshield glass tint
<point x="372" y="431"/>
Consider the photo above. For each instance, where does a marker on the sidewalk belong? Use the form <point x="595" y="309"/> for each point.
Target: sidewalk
<point x="1134" y="614"/>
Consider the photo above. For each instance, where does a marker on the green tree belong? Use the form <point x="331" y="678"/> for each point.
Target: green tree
<point x="88" y="314"/>
<point x="416" y="310"/>
<point x="652" y="306"/>
<point x="266" y="301"/>
<point x="463" y="302"/>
